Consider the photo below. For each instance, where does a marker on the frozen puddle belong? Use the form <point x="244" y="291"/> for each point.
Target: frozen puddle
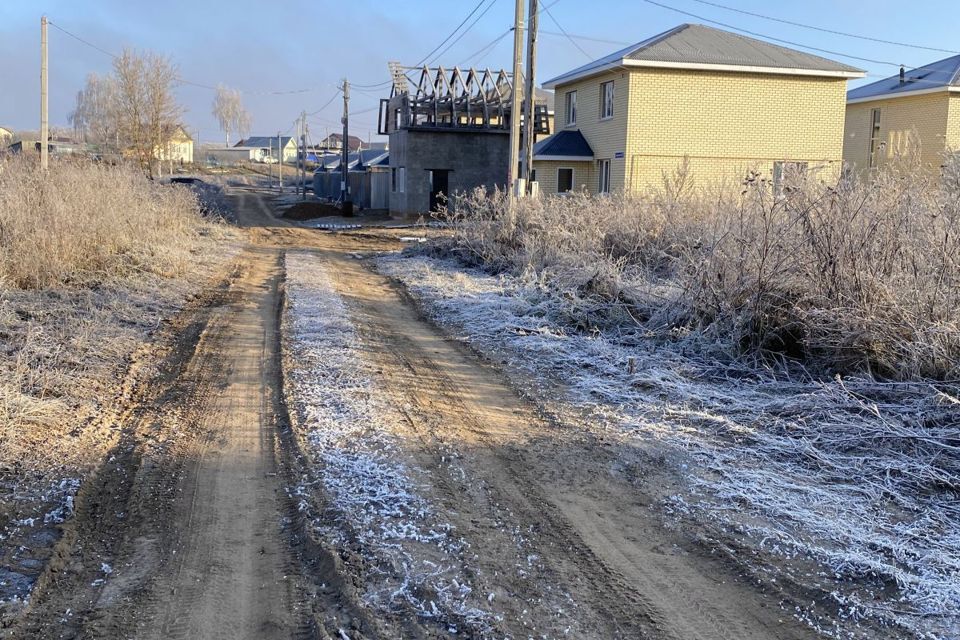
<point x="414" y="557"/>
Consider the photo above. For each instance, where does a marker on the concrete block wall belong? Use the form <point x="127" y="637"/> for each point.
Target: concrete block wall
<point x="473" y="158"/>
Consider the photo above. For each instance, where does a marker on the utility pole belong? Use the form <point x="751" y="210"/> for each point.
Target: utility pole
<point x="513" y="183"/>
<point x="270" y="159"/>
<point x="303" y="158"/>
<point x="280" y="164"/>
<point x="297" y="138"/>
<point x="345" y="151"/>
<point x="44" y="118"/>
<point x="529" y="102"/>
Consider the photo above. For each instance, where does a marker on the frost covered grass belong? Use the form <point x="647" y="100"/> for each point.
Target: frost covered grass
<point x="370" y="501"/>
<point x="92" y="258"/>
<point x="851" y="485"/>
<point x="849" y="276"/>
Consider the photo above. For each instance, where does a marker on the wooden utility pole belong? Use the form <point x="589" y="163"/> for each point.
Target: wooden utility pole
<point x="512" y="178"/>
<point x="345" y="152"/>
<point x="303" y="158"/>
<point x="280" y="164"/>
<point x="529" y="101"/>
<point x="44" y="116"/>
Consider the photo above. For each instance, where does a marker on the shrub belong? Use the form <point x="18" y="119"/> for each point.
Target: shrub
<point x="847" y="275"/>
<point x="83" y="224"/>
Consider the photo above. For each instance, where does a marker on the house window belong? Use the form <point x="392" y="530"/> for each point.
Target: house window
<point x="604" y="183"/>
<point x="564" y="180"/>
<point x="874" y="135"/>
<point x="571" y="108"/>
<point x="785" y="172"/>
<point x="606" y="100"/>
<point x="398" y="177"/>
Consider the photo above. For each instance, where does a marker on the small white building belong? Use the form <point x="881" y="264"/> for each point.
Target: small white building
<point x="232" y="155"/>
<point x="271" y="143"/>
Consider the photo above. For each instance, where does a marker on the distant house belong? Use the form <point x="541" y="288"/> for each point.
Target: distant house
<point x="722" y="103"/>
<point x="287" y="143"/>
<point x="178" y="148"/>
<point x="225" y="156"/>
<point x="334" y="142"/>
<point x="913" y="111"/>
<point x="6" y="137"/>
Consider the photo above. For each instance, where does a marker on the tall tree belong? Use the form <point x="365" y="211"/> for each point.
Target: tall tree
<point x="229" y="111"/>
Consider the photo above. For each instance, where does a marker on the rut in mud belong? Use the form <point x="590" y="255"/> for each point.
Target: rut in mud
<point x="211" y="518"/>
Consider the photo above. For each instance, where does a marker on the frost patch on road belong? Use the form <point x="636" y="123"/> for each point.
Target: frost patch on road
<point x="21" y="565"/>
<point x="851" y="487"/>
<point x="412" y="557"/>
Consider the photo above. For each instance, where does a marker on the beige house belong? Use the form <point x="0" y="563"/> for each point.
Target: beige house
<point x="6" y="137"/>
<point x="915" y="111"/>
<point x="178" y="148"/>
<point x="724" y="103"/>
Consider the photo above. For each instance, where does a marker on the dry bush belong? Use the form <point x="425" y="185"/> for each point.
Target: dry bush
<point x="83" y="224"/>
<point x="845" y="275"/>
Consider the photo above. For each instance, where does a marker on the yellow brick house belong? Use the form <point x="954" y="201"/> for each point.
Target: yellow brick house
<point x="721" y="102"/>
<point x="915" y="111"/>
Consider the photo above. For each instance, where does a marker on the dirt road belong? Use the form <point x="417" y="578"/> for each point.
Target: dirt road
<point x="187" y="530"/>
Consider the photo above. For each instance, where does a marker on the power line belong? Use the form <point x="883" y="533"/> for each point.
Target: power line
<point x="824" y="30"/>
<point x="463" y="33"/>
<point x="452" y="33"/>
<point x="766" y="37"/>
<point x="78" y="38"/>
<point x="493" y="43"/>
<point x="564" y="31"/>
<point x="577" y="36"/>
<point x="327" y="103"/>
<point x="182" y="80"/>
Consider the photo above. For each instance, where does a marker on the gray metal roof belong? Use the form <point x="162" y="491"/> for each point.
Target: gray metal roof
<point x="696" y="44"/>
<point x="264" y="141"/>
<point x="940" y="74"/>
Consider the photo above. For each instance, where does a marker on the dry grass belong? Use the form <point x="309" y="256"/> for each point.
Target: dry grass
<point x="92" y="259"/>
<point x="85" y="224"/>
<point x="844" y="276"/>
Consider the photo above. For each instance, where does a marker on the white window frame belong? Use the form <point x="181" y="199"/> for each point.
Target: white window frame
<point x="570" y="108"/>
<point x="603" y="176"/>
<point x="606" y="101"/>
<point x="572" y="178"/>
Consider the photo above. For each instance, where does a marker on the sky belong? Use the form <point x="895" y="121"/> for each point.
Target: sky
<point x="290" y="56"/>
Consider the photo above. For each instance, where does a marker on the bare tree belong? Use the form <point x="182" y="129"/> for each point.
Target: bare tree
<point x="133" y="110"/>
<point x="229" y="111"/>
<point x="95" y="118"/>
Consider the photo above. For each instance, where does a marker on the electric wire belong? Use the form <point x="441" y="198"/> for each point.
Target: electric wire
<point x="823" y="29"/>
<point x="766" y="37"/>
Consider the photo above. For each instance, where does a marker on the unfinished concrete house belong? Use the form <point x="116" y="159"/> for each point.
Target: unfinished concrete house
<point x="449" y="133"/>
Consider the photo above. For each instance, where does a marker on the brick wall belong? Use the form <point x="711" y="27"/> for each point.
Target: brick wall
<point x="584" y="175"/>
<point x="607" y="137"/>
<point x="723" y="123"/>
<point x="906" y="124"/>
<point x="727" y="123"/>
